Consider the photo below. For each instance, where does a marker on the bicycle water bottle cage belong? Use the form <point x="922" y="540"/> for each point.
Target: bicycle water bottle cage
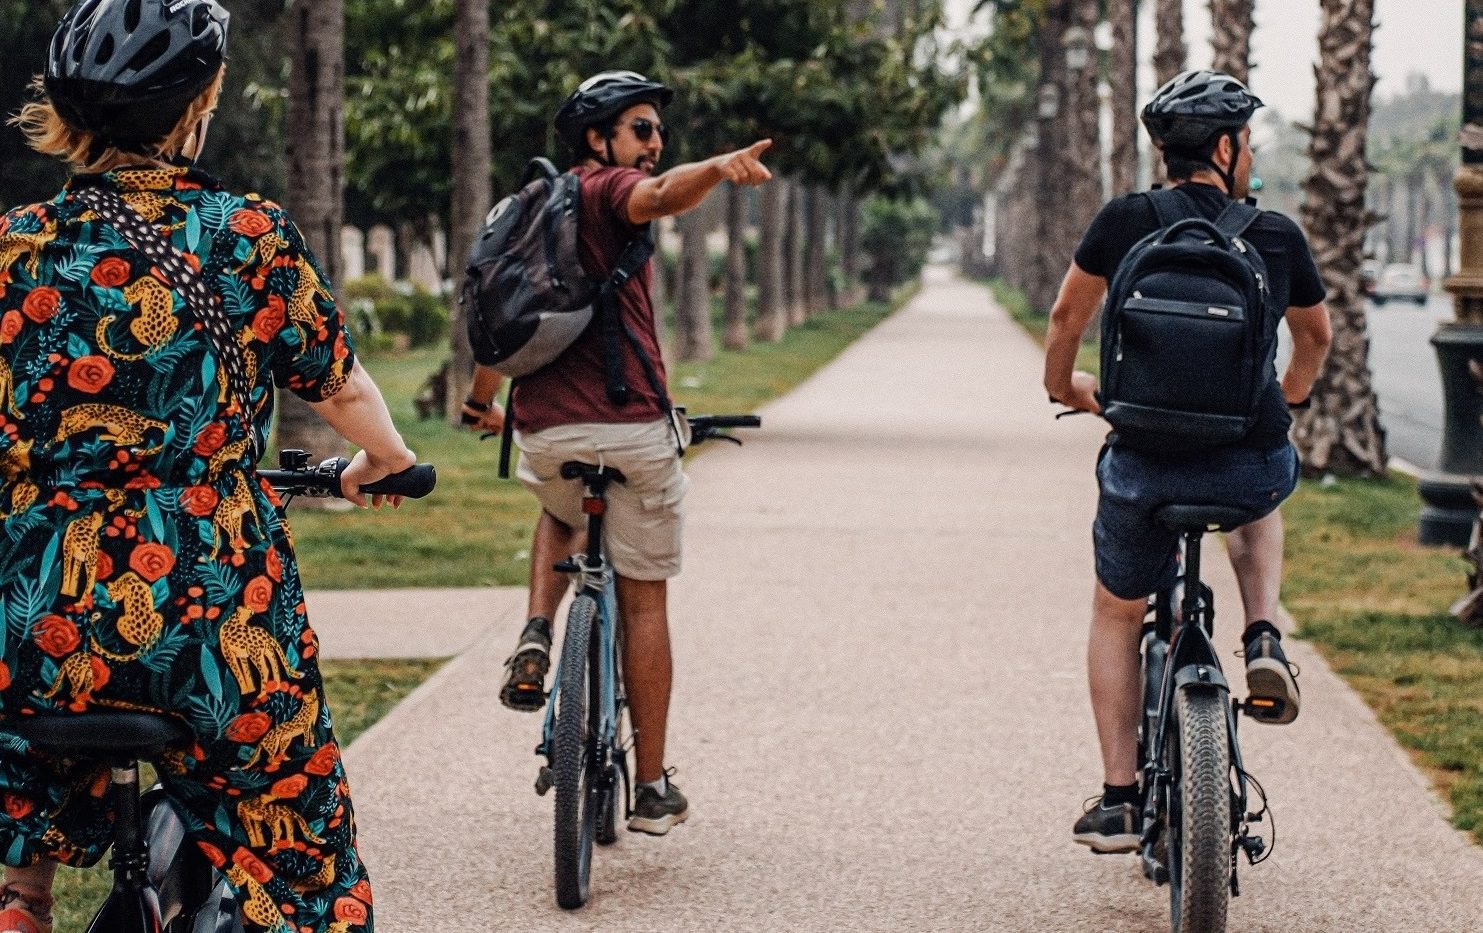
<point x="1191" y="518"/>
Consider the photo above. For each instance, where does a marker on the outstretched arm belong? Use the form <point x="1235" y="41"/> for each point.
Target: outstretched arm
<point x="685" y="186"/>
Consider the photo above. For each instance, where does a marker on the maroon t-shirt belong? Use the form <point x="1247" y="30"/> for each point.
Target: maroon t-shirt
<point x="572" y="389"/>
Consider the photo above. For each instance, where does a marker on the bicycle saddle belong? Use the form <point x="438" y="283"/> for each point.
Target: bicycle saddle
<point x="101" y="734"/>
<point x="1186" y="517"/>
<point x="576" y="469"/>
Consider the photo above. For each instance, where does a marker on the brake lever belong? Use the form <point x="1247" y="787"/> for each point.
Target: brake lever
<point x="1071" y="411"/>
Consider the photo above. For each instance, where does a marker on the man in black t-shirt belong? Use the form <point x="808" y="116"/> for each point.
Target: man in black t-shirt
<point x="1199" y="120"/>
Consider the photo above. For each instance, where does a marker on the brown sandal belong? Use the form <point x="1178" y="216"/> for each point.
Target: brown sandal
<point x="24" y="910"/>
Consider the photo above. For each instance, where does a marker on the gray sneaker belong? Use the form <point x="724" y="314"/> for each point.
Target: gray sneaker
<point x="655" y="814"/>
<point x="1108" y="830"/>
<point x="1271" y="681"/>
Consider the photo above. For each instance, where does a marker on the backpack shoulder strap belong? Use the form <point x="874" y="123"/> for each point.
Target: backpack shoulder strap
<point x="1169" y="206"/>
<point x="1236" y="218"/>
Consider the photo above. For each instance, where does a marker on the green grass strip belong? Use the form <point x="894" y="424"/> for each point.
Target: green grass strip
<point x="475" y="529"/>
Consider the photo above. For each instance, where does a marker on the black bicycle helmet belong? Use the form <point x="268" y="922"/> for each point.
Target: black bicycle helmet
<point x="126" y="70"/>
<point x="601" y="98"/>
<point x="1196" y="105"/>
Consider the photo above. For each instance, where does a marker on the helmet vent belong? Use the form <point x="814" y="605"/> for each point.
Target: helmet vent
<point x="105" y="50"/>
<point x="200" y="19"/>
<point x="152" y="51"/>
<point x="131" y="15"/>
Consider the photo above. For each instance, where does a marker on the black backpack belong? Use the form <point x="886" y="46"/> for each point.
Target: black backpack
<point x="525" y="296"/>
<point x="1187" y="352"/>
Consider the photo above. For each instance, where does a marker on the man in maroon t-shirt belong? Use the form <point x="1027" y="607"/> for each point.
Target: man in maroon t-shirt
<point x="563" y="412"/>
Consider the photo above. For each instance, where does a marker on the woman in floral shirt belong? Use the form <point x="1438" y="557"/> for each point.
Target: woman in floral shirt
<point x="143" y="564"/>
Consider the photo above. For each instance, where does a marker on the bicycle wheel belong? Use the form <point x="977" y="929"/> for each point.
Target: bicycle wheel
<point x="572" y="751"/>
<point x="1199" y="815"/>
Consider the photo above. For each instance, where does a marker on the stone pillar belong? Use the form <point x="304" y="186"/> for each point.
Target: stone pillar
<point x="352" y="253"/>
<point x="381" y="245"/>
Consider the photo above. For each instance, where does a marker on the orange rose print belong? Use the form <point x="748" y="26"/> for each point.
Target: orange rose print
<point x="269" y="321"/>
<point x="105" y="566"/>
<point x="250" y="223"/>
<point x="17" y="806"/>
<point x="362" y="890"/>
<point x="257" y="594"/>
<point x="200" y="500"/>
<point x="41" y="304"/>
<point x="290" y="787"/>
<point x="211" y="439"/>
<point x="249" y="727"/>
<point x="253" y="866"/>
<point x="56" y="636"/>
<point x="111" y="272"/>
<point x="10" y="325"/>
<point x="348" y="909"/>
<point x="212" y="853"/>
<point x="4" y="675"/>
<point x="151" y="561"/>
<point x="90" y="374"/>
<point x="323" y="761"/>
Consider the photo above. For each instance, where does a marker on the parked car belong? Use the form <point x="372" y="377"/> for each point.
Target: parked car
<point x="1400" y="282"/>
<point x="1369" y="274"/>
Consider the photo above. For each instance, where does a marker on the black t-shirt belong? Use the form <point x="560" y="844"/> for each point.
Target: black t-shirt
<point x="1294" y="281"/>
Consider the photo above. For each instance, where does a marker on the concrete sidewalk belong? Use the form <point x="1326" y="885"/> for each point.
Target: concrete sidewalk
<point x="880" y="710"/>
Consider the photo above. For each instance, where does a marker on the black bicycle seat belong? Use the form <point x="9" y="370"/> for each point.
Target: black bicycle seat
<point x="576" y="469"/>
<point x="101" y="734"/>
<point x="1186" y="517"/>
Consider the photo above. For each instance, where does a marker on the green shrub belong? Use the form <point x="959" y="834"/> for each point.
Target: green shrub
<point x="378" y="309"/>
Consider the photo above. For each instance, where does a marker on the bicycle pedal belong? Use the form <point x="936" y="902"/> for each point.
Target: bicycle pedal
<point x="566" y="566"/>
<point x="544" y="779"/>
<point x="1262" y="708"/>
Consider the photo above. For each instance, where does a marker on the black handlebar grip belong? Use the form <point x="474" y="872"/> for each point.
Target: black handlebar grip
<point x="413" y="482"/>
<point x="734" y="421"/>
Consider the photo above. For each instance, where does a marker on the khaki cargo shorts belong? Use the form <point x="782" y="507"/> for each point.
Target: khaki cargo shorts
<point x="645" y="515"/>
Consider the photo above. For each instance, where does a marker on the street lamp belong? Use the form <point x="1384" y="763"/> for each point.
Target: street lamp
<point x="1449" y="511"/>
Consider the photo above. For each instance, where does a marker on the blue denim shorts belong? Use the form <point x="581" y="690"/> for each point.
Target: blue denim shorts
<point x="1135" y="556"/>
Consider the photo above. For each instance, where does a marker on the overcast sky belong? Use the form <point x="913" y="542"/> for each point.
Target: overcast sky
<point x="1412" y="36"/>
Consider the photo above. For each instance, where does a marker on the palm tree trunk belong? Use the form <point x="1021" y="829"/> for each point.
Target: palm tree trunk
<point x="735" y="317"/>
<point x="772" y="316"/>
<point x="315" y="177"/>
<point x="1341" y="432"/>
<point x="693" y="304"/>
<point x="1051" y="194"/>
<point x="471" y="165"/>
<point x="1232" y="23"/>
<point x="797" y="310"/>
<point x="816" y="263"/>
<point x="1168" y="55"/>
<point x="1122" y="77"/>
<point x="849" y="248"/>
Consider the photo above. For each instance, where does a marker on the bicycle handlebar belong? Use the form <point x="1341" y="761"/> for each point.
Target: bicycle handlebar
<point x="703" y="427"/>
<point x="296" y="477"/>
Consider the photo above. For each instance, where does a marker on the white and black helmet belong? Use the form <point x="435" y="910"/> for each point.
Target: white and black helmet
<point x="1196" y="105"/>
<point x="127" y="69"/>
<point x="602" y="97"/>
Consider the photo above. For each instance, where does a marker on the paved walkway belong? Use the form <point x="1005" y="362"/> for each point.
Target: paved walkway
<point x="880" y="704"/>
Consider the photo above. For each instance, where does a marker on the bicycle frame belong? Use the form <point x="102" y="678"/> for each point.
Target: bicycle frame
<point x="1190" y="663"/>
<point x="595" y="579"/>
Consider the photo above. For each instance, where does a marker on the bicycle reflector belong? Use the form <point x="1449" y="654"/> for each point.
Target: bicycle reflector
<point x="592" y="505"/>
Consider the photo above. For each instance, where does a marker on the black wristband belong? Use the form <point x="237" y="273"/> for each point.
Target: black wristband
<point x="470" y="403"/>
<point x="1306" y="403"/>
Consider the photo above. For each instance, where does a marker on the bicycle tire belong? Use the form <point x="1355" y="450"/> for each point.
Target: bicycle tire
<point x="573" y="764"/>
<point x="1199" y="814"/>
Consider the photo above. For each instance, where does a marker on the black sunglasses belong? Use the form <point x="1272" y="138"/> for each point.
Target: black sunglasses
<point x="644" y="128"/>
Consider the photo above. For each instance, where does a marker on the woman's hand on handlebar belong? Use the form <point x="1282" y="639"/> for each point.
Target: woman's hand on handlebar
<point x="364" y="470"/>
